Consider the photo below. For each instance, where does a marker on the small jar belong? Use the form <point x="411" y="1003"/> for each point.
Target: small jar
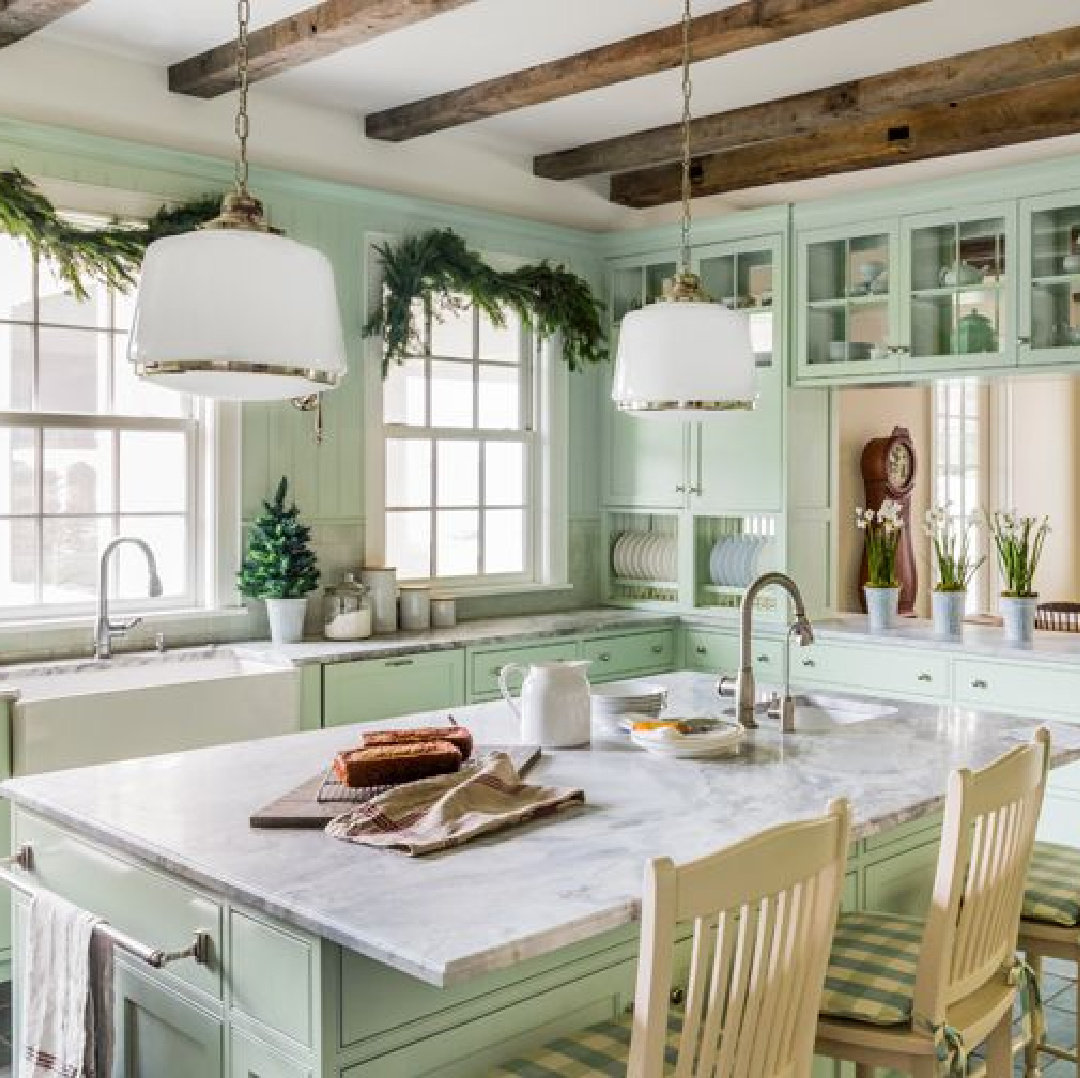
<point x="346" y="611"/>
<point x="415" y="607"/>
<point x="381" y="582"/>
<point x="443" y="611"/>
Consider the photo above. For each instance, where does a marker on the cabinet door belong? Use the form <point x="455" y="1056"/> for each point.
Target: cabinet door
<point x="614" y="657"/>
<point x="644" y="457"/>
<point x="847" y="321"/>
<point x="958" y="290"/>
<point x="383" y="688"/>
<point x="736" y="458"/>
<point x="1048" y="315"/>
<point x="711" y="652"/>
<point x="159" y="1034"/>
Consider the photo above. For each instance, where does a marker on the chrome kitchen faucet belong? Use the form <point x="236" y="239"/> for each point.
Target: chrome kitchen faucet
<point x="107" y="630"/>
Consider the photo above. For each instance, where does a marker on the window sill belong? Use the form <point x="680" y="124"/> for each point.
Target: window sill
<point x="157" y="619"/>
<point x="477" y="591"/>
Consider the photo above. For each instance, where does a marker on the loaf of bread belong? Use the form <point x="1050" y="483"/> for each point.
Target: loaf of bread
<point x="385" y="765"/>
<point x="458" y="736"/>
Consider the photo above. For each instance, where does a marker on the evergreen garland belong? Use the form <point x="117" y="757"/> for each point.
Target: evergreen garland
<point x="549" y="299"/>
<point x="279" y="563"/>
<point x="111" y="254"/>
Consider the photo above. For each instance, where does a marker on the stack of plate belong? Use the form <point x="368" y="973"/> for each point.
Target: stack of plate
<point x="734" y="559"/>
<point x="612" y="703"/>
<point x="645" y="556"/>
<point x="711" y="740"/>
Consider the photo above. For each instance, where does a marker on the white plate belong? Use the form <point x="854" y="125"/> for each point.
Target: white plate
<point x="714" y="561"/>
<point x="722" y="740"/>
<point x="727" y="562"/>
<point x="618" y="555"/>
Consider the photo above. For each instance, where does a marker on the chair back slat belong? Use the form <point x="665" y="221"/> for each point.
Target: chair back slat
<point x="987" y="839"/>
<point x="763" y="914"/>
<point x="1058" y="617"/>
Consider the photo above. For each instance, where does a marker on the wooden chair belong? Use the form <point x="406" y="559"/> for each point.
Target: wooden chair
<point x="1058" y="617"/>
<point x="763" y="913"/>
<point x="918" y="997"/>
<point x="1050" y="921"/>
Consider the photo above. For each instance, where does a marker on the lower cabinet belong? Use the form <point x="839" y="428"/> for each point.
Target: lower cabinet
<point x="160" y="1034"/>
<point x="629" y="655"/>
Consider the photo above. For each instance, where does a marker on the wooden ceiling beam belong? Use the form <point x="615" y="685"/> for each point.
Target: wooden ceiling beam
<point x="21" y="18"/>
<point x="318" y="31"/>
<point x="1000" y="67"/>
<point x="742" y="26"/>
<point x="1026" y="114"/>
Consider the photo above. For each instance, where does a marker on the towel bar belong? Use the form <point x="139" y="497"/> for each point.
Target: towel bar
<point x="200" y="947"/>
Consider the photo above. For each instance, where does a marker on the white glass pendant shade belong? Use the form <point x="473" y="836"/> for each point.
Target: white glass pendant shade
<point x="237" y="315"/>
<point x="684" y="358"/>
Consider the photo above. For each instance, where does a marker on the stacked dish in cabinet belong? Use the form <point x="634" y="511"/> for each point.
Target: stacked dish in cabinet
<point x="735" y="560"/>
<point x="641" y="555"/>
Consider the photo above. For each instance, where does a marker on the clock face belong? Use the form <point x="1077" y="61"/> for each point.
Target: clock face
<point x="900" y="465"/>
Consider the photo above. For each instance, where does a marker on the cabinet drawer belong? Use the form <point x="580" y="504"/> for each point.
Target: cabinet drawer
<point x="1026" y="690"/>
<point x="883" y="671"/>
<point x="253" y="1059"/>
<point x="281" y="1002"/>
<point x="913" y="833"/>
<point x="484" y="666"/>
<point x="903" y="883"/>
<point x="624" y="656"/>
<point x="154" y="909"/>
<point x="377" y="689"/>
<point x="712" y="652"/>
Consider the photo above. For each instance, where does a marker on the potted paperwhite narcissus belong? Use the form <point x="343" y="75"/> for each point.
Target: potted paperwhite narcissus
<point x="1019" y="543"/>
<point x="882" y="589"/>
<point x="956" y="566"/>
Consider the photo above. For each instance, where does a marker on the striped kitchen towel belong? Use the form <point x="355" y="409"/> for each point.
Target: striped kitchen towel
<point x="449" y="810"/>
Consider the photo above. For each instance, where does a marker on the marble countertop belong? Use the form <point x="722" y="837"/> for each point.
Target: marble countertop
<point x="527" y="892"/>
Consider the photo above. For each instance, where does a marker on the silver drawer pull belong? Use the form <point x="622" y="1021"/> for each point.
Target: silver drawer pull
<point x="926" y="677"/>
<point x="657" y="649"/>
<point x="763" y="658"/>
<point x="978" y="683"/>
<point x="398" y="662"/>
<point x="496" y="671"/>
<point x="701" y="649"/>
<point x="809" y="662"/>
<point x="201" y="947"/>
<point x="604" y="657"/>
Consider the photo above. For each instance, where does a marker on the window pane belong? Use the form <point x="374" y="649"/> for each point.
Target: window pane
<point x="504" y="541"/>
<point x="408" y="472"/>
<point x="71" y="548"/>
<point x="457" y="551"/>
<point x="408" y="544"/>
<point x="16" y="281"/>
<point x="451" y="394"/>
<point x="16" y="367"/>
<point x="137" y="396"/>
<point x="153" y="471"/>
<point x="168" y="540"/>
<point x="502" y="344"/>
<point x="500" y="398"/>
<point x="504" y="473"/>
<point x="403" y="393"/>
<point x="452" y="324"/>
<point x="58" y="305"/>
<point x="459" y="473"/>
<point x="73" y="370"/>
<point x="18" y="562"/>
<point x="18" y="471"/>
<point x="77" y="471"/>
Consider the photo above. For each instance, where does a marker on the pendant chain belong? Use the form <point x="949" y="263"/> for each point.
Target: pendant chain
<point x="242" y="126"/>
<point x="687" y="89"/>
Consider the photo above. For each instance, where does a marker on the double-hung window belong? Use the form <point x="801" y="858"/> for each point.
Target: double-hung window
<point x="464" y="462"/>
<point x="89" y="452"/>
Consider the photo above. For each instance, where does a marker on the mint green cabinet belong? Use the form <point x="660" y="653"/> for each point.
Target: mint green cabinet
<point x="629" y="655"/>
<point x="160" y="1033"/>
<point x="375" y="689"/>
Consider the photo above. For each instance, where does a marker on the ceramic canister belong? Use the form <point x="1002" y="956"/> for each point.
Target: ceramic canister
<point x="381" y="582"/>
<point x="443" y="611"/>
<point x="415" y="607"/>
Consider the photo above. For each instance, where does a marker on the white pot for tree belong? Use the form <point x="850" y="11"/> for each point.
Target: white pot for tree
<point x="882" y="606"/>
<point x="1018" y="615"/>
<point x="286" y="619"/>
<point x="948" y="612"/>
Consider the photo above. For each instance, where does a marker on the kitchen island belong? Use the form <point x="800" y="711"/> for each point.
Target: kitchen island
<point x="328" y="959"/>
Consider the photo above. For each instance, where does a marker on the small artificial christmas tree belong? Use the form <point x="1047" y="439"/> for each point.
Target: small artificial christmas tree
<point x="280" y="567"/>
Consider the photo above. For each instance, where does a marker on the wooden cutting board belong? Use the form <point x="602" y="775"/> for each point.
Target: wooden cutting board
<point x="301" y="808"/>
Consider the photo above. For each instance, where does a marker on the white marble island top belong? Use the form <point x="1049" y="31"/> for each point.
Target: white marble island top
<point x="528" y="892"/>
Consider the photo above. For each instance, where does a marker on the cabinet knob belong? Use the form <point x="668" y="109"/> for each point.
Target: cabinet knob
<point x="926" y="677"/>
<point x="978" y="683"/>
<point x="695" y="490"/>
<point x="604" y="657"/>
<point x="1024" y="342"/>
<point x="763" y="658"/>
<point x="809" y="662"/>
<point x="496" y="670"/>
<point x="680" y="489"/>
<point x="657" y="649"/>
<point x="701" y="649"/>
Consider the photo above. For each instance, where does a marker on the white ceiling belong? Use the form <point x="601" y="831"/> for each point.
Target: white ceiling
<point x="492" y="37"/>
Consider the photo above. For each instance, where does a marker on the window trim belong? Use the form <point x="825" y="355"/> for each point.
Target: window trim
<point x="547" y="539"/>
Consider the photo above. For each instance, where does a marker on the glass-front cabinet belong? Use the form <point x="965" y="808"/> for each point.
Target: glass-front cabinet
<point x="847" y="311"/>
<point x="1049" y="300"/>
<point x="958" y="276"/>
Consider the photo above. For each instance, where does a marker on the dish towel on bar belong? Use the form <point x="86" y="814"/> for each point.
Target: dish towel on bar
<point x="449" y="810"/>
<point x="66" y="993"/>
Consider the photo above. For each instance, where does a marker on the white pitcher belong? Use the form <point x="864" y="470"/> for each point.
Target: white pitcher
<point x="555" y="701"/>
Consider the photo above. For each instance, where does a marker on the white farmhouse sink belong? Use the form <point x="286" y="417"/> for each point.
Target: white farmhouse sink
<point x="821" y="712"/>
<point x="74" y="714"/>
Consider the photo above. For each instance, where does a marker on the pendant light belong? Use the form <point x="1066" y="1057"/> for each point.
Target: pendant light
<point x="236" y="310"/>
<point x="684" y="354"/>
